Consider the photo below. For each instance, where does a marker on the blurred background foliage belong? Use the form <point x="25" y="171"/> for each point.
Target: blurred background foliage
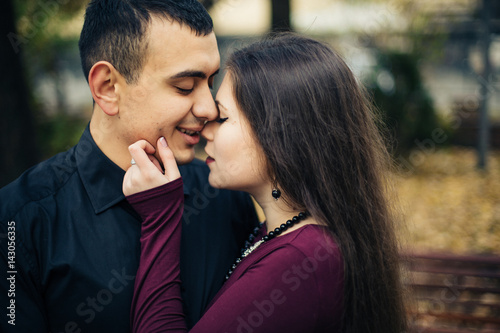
<point x="51" y="29"/>
<point x="447" y="205"/>
<point x="407" y="108"/>
<point x="403" y="51"/>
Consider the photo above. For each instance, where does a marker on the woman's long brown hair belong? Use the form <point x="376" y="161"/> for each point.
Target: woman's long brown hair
<point x="324" y="151"/>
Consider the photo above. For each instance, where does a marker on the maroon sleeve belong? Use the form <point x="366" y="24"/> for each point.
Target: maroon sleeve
<point x="157" y="303"/>
<point x="284" y="290"/>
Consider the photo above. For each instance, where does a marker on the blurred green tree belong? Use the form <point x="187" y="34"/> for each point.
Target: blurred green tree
<point x="18" y="149"/>
<point x="396" y="83"/>
<point x="407" y="107"/>
<point x="31" y="27"/>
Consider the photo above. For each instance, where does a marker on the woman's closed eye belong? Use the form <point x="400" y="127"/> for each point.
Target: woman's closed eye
<point x="221" y="120"/>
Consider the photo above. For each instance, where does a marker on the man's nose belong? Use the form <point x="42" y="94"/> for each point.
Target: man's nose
<point x="204" y="107"/>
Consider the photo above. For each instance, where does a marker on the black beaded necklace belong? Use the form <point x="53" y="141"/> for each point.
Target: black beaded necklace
<point x="250" y="246"/>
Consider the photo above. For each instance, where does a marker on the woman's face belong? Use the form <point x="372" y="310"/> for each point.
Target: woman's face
<point x="236" y="160"/>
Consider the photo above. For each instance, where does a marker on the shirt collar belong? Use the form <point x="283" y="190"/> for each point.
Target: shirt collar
<point x="100" y="176"/>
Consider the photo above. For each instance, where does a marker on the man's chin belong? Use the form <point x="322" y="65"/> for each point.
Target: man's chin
<point x="184" y="157"/>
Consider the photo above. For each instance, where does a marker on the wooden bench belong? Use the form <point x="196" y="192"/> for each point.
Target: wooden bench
<point x="454" y="294"/>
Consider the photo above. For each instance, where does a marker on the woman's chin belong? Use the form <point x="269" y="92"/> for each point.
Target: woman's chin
<point x="213" y="182"/>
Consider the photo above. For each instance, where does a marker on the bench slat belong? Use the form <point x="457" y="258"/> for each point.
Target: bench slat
<point x="472" y="278"/>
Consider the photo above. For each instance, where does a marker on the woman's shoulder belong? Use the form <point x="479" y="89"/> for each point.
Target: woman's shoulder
<point x="310" y="249"/>
<point x="309" y="262"/>
<point x="314" y="240"/>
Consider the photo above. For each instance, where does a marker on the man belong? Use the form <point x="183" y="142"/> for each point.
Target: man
<point x="72" y="246"/>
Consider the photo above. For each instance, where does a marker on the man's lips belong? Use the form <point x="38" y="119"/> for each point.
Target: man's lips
<point x="189" y="131"/>
<point x="191" y="135"/>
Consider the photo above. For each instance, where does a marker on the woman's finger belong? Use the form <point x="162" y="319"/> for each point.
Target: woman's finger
<point x="156" y="163"/>
<point x="168" y="159"/>
<point x="139" y="152"/>
<point x="148" y="147"/>
<point x="148" y="173"/>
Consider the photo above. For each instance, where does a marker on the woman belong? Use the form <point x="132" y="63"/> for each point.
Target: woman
<point x="296" y="132"/>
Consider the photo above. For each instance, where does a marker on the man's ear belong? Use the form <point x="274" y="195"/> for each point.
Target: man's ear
<point x="103" y="79"/>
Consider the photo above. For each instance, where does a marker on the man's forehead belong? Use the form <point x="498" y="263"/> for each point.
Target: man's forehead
<point x="185" y="63"/>
<point x="173" y="37"/>
<point x="159" y="24"/>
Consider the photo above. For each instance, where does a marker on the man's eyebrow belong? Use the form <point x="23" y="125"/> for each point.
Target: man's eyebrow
<point x="192" y="73"/>
<point x="189" y="73"/>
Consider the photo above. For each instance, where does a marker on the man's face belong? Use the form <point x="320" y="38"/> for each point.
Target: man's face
<point x="172" y="97"/>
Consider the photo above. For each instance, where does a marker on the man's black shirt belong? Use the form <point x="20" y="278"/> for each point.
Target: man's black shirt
<point x="70" y="243"/>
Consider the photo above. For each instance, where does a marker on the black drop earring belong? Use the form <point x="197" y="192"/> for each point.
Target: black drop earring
<point x="276" y="194"/>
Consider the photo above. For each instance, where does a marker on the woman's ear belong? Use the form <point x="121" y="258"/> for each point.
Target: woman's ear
<point x="103" y="79"/>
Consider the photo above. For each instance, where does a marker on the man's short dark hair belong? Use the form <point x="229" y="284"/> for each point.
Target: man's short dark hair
<point x="116" y="30"/>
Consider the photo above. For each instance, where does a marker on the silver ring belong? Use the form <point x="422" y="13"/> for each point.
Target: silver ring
<point x="132" y="162"/>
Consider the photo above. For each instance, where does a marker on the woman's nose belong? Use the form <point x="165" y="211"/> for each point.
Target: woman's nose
<point x="208" y="130"/>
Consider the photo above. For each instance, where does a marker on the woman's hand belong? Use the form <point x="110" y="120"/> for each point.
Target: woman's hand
<point x="147" y="173"/>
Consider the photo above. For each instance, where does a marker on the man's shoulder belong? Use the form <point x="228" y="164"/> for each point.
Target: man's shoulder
<point x="40" y="181"/>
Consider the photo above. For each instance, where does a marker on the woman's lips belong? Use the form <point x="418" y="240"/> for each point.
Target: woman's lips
<point x="209" y="160"/>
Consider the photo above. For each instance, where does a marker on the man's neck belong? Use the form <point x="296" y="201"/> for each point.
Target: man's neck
<point x="105" y="138"/>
